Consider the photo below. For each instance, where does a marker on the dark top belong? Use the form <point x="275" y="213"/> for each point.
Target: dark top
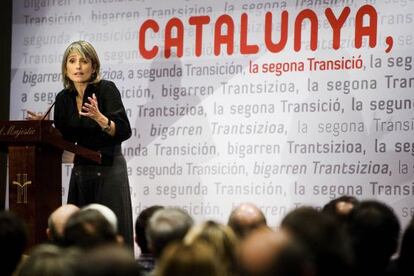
<point x="85" y="131"/>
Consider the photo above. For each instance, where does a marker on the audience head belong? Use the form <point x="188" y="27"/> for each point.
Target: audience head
<point x="340" y="208"/>
<point x="49" y="260"/>
<point x="165" y="226"/>
<point x="108" y="260"/>
<point x="140" y="226"/>
<point x="293" y="260"/>
<point x="87" y="229"/>
<point x="323" y="238"/>
<point x="13" y="239"/>
<point x="259" y="250"/>
<point x="246" y="217"/>
<point x="374" y="230"/>
<point x="57" y="221"/>
<point x="405" y="260"/>
<point x="105" y="211"/>
<point x="221" y="238"/>
<point x="192" y="259"/>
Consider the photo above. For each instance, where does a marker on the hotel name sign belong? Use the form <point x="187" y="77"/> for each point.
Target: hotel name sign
<point x="15" y="131"/>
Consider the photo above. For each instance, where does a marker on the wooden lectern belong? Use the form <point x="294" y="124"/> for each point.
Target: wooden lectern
<point x="35" y="171"/>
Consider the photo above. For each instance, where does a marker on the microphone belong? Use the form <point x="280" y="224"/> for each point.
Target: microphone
<point x="48" y="111"/>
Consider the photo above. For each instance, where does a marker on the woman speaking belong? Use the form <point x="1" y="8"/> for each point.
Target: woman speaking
<point x="90" y="113"/>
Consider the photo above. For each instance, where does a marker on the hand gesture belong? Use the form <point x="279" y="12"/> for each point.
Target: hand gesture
<point x="34" y="116"/>
<point x="91" y="109"/>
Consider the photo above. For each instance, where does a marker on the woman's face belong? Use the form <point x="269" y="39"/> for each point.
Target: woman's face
<point x="79" y="69"/>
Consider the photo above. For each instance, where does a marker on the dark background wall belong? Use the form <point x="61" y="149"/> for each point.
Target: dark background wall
<point x="5" y="54"/>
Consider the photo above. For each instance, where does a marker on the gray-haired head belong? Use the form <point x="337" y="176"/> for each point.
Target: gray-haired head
<point x="106" y="212"/>
<point x="165" y="226"/>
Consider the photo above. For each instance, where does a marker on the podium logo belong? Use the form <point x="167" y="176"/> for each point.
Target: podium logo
<point x="22" y="184"/>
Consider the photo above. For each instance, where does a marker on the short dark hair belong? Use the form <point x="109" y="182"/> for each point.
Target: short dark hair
<point x="374" y="230"/>
<point x="323" y="237"/>
<point x="406" y="257"/>
<point x="88" y="228"/>
<point x="13" y="240"/>
<point x="141" y="224"/>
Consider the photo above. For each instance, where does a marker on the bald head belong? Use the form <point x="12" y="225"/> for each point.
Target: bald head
<point x="344" y="208"/>
<point x="245" y="218"/>
<point x="57" y="221"/>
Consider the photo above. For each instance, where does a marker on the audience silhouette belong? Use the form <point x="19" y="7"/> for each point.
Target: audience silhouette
<point x="346" y="237"/>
